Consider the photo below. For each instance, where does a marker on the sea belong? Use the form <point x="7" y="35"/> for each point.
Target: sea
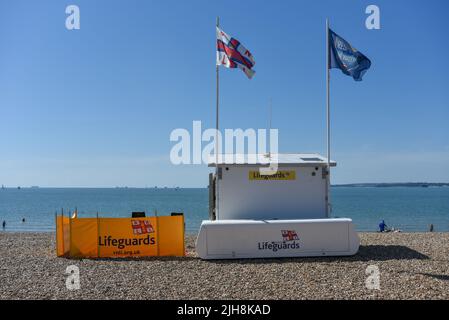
<point x="410" y="209"/>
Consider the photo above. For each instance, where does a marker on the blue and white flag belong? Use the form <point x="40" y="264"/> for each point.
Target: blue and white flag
<point x="346" y="58"/>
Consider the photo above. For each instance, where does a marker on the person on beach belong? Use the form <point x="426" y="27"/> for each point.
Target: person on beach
<point x="382" y="226"/>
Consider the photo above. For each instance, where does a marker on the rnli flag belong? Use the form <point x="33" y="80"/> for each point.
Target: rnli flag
<point x="141" y="227"/>
<point x="346" y="58"/>
<point x="231" y="54"/>
<point x="289" y="235"/>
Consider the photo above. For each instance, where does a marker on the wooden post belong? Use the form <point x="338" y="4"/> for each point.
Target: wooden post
<point x="98" y="236"/>
<point x="157" y="233"/>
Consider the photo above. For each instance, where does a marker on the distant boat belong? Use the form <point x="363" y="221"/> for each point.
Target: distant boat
<point x="18" y="187"/>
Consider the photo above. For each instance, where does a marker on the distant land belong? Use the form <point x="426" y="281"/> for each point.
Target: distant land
<point x="394" y="184"/>
<point x="368" y="185"/>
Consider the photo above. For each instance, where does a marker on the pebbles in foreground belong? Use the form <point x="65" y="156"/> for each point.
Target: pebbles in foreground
<point x="411" y="265"/>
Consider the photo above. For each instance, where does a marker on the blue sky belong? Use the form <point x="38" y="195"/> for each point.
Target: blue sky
<point x="96" y="106"/>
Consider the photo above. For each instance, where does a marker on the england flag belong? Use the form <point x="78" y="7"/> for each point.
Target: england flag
<point x="231" y="54"/>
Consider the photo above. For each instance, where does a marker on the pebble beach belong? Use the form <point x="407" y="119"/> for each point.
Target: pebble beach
<point x="411" y="266"/>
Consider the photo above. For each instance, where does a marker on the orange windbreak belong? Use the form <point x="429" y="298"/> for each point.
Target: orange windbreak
<point x="122" y="237"/>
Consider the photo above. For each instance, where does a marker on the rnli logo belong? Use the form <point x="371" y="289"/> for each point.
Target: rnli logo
<point x="290" y="241"/>
<point x="141" y="227"/>
<point x="289" y="235"/>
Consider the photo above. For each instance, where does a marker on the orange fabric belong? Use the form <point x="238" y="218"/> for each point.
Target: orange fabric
<point x="66" y="233"/>
<point x="62" y="235"/>
<point x="83" y="237"/>
<point x="59" y="237"/>
<point x="122" y="237"/>
<point x="171" y="235"/>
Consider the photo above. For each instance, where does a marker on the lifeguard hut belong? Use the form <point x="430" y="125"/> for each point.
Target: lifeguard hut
<point x="258" y="212"/>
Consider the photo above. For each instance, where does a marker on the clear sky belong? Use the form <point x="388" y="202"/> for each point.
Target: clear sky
<point x="96" y="106"/>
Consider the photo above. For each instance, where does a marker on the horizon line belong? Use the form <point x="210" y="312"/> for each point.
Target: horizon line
<point x="205" y="187"/>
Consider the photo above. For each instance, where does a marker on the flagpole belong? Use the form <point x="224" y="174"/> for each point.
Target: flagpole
<point x="217" y="128"/>
<point x="328" y="121"/>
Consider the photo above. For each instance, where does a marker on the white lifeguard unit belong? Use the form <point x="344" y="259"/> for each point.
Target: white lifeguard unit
<point x="283" y="213"/>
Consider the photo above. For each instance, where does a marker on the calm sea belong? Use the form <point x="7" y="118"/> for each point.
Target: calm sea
<point x="406" y="208"/>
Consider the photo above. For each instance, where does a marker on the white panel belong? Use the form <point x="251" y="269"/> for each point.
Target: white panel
<point x="241" y="198"/>
<point x="258" y="239"/>
<point x="219" y="240"/>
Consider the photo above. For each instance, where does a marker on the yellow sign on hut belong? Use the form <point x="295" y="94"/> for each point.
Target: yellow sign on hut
<point x="278" y="175"/>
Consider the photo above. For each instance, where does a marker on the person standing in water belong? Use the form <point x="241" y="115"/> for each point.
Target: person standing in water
<point x="4" y="224"/>
<point x="382" y="226"/>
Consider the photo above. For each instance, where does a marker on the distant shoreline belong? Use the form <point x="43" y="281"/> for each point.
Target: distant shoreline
<point x="375" y="185"/>
<point x="399" y="184"/>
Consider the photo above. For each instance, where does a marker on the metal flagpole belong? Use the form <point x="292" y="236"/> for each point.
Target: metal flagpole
<point x="216" y="132"/>
<point x="269" y="126"/>
<point x="328" y="121"/>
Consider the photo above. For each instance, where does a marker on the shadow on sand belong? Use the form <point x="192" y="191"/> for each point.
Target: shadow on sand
<point x="443" y="277"/>
<point x="366" y="253"/>
<point x="389" y="252"/>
